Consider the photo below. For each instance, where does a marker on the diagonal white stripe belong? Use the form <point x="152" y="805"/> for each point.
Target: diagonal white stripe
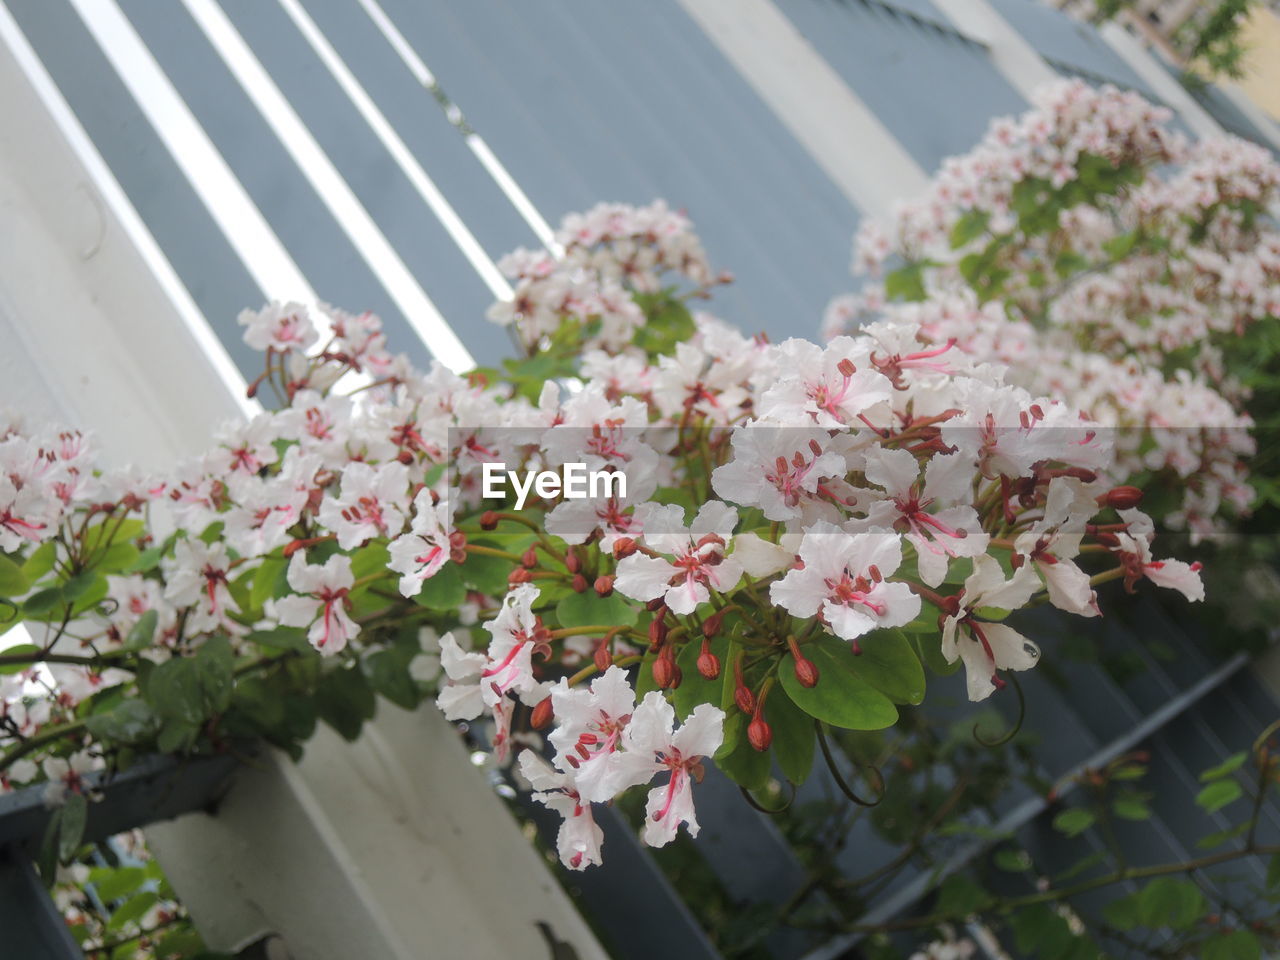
<point x="399" y="151"/>
<point x="333" y="190"/>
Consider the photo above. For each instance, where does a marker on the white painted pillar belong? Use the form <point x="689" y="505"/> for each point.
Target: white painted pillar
<point x="1161" y="81"/>
<point x="840" y="132"/>
<point x="393" y="848"/>
<point x="1011" y="54"/>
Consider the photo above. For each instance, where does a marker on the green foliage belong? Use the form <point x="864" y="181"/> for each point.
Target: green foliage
<point x="842" y="697"/>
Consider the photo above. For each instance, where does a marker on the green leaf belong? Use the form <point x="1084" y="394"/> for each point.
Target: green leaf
<point x="1221" y="836"/>
<point x="1074" y="821"/>
<point x="388" y="673"/>
<point x="116" y="883"/>
<point x="1131" y="807"/>
<point x="1120" y="246"/>
<point x="20" y="650"/>
<point x="177" y="736"/>
<point x="694" y="687"/>
<point x="129" y="722"/>
<point x="1124" y="913"/>
<point x="1041" y="932"/>
<point x="737" y="759"/>
<point x="961" y="895"/>
<point x="345" y="700"/>
<point x="270" y="581"/>
<point x="75" y="811"/>
<point x="143" y="633"/>
<point x="840" y="698"/>
<point x="189" y="690"/>
<point x="968" y="228"/>
<point x="133" y="910"/>
<point x="1236" y="945"/>
<point x="1169" y="902"/>
<point x="928" y="646"/>
<point x="487" y="574"/>
<point x="890" y="664"/>
<point x="905" y="283"/>
<point x="1225" y="768"/>
<point x="1013" y="860"/>
<point x="1273" y="872"/>
<point x="444" y="591"/>
<point x="41" y="561"/>
<point x="589" y="609"/>
<point x="13" y="582"/>
<point x="793" y="735"/>
<point x="1218" y="794"/>
<point x="282" y="638"/>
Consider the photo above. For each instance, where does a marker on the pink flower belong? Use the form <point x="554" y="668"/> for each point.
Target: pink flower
<point x="579" y="840"/>
<point x="196" y="577"/>
<point x="843" y="581"/>
<point x="372" y="504"/>
<point x="323" y="608"/>
<point x="420" y="553"/>
<point x="278" y="326"/>
<point x="656" y="745"/>
<point x="987" y="647"/>
<point x="699" y="564"/>
<point x="589" y="733"/>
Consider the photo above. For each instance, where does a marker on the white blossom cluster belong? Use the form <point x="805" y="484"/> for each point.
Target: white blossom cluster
<point x="1120" y="306"/>
<point x="880" y="481"/>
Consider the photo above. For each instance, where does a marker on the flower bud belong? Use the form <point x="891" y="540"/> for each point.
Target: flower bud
<point x="745" y="700"/>
<point x="656" y="604"/>
<point x="405" y="457"/>
<point x="759" y="735"/>
<point x="543" y="714"/>
<point x="604" y="585"/>
<point x="603" y="657"/>
<point x="806" y="672"/>
<point x="572" y="562"/>
<point x="1123" y="498"/>
<point x="657" y="633"/>
<point x="530" y="558"/>
<point x="519" y="575"/>
<point x="665" y="672"/>
<point x="624" y="547"/>
<point x="711" y="625"/>
<point x="579" y="583"/>
<point x="708" y="662"/>
<point x="488" y="520"/>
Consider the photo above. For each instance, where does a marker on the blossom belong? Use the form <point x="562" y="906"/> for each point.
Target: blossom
<point x="779" y="469"/>
<point x="372" y="504"/>
<point x="1054" y="540"/>
<point x="588" y="736"/>
<point x="460" y="698"/>
<point x="1135" y="556"/>
<point x="699" y="565"/>
<point x="983" y="646"/>
<point x="196" y="577"/>
<point x="25" y="516"/>
<point x="278" y="326"/>
<point x="952" y="531"/>
<point x="822" y="386"/>
<point x="842" y="579"/>
<point x="419" y="554"/>
<point x="323" y="606"/>
<point x="657" y="745"/>
<point x="579" y="840"/>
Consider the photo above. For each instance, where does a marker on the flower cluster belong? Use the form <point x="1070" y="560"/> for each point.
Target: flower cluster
<point x="789" y="508"/>
<point x="1067" y="248"/>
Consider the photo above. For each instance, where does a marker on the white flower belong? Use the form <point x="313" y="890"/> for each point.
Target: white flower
<point x="699" y="563"/>
<point x="323" y="606"/>
<point x="987" y="647"/>
<point x="420" y="553"/>
<point x="778" y="468"/>
<point x="579" y="840"/>
<point x="372" y="504"/>
<point x="843" y="581"/>
<point x="588" y="735"/>
<point x="278" y="326"/>
<point x="196" y="577"/>
<point x="656" y="745"/>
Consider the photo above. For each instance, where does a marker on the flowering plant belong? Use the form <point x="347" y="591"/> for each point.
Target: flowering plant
<point x="800" y="531"/>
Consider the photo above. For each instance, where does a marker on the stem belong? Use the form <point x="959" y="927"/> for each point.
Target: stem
<point x="39" y="740"/>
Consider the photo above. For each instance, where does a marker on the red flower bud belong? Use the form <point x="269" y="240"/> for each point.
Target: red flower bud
<point x="1123" y="498"/>
<point x="542" y="715"/>
<point x="806" y="672"/>
<point x="657" y="633"/>
<point x="745" y="700"/>
<point x="665" y="672"/>
<point x="711" y="625"/>
<point x="759" y="735"/>
<point x="708" y="662"/>
<point x="530" y="558"/>
<point x="488" y="520"/>
<point x="604" y="585"/>
<point x="579" y="583"/>
<point x="603" y="656"/>
<point x="519" y="575"/>
<point x="405" y="457"/>
<point x="656" y="604"/>
<point x="572" y="562"/>
<point x="624" y="547"/>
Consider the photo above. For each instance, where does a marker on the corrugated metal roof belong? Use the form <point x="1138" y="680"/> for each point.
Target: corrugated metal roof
<point x="934" y="88"/>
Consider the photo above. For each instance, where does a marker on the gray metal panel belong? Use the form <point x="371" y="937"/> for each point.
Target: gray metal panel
<point x="935" y="90"/>
<point x="201" y="256"/>
<point x="382" y="188"/>
<point x="1071" y="46"/>
<point x="590" y="101"/>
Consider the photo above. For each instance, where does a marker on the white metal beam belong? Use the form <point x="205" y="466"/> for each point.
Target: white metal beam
<point x="1011" y="54"/>
<point x="848" y="141"/>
